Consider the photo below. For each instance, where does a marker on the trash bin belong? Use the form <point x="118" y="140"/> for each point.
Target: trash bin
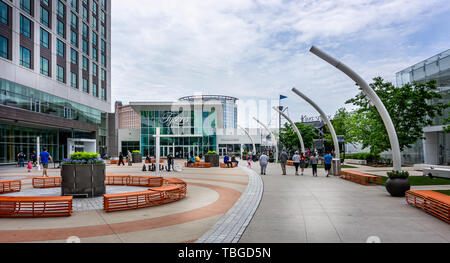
<point x="336" y="167"/>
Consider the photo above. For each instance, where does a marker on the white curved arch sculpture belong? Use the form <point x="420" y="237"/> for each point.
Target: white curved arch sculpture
<point x="325" y="119"/>
<point x="373" y="97"/>
<point x="251" y="139"/>
<point x="299" y="135"/>
<point x="272" y="135"/>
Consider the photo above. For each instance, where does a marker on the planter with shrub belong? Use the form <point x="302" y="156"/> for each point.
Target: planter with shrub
<point x="397" y="184"/>
<point x="213" y="158"/>
<point x="83" y="175"/>
<point x="137" y="156"/>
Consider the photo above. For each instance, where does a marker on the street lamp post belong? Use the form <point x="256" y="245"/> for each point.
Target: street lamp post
<point x="373" y="97"/>
<point x="272" y="135"/>
<point x="300" y="138"/>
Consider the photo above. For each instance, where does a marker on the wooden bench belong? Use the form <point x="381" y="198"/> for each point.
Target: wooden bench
<point x="135" y="200"/>
<point x="146" y="181"/>
<point x="360" y="177"/>
<point x="9" y="186"/>
<point x="35" y="206"/>
<point x="198" y="165"/>
<point x="153" y="160"/>
<point x="116" y="179"/>
<point x="174" y="181"/>
<point x="172" y="192"/>
<point x="47" y="182"/>
<point x="290" y="163"/>
<point x="224" y="165"/>
<point x="434" y="203"/>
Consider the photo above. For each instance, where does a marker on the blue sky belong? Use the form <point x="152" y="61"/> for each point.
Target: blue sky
<point x="258" y="49"/>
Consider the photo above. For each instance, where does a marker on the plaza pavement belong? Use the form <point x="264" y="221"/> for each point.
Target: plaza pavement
<point x="310" y="209"/>
<point x="236" y="205"/>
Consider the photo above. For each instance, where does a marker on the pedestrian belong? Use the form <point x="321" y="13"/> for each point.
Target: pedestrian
<point x="192" y="160"/>
<point x="296" y="158"/>
<point x="21" y="156"/>
<point x="263" y="160"/>
<point x="327" y="160"/>
<point x="45" y="158"/>
<point x="303" y="160"/>
<point x="249" y="162"/>
<point x="233" y="160"/>
<point x="226" y="160"/>
<point x="314" y="160"/>
<point x="284" y="157"/>
<point x="121" y="159"/>
<point x="169" y="162"/>
<point x="148" y="159"/>
<point x="34" y="158"/>
<point x="130" y="158"/>
<point x="29" y="166"/>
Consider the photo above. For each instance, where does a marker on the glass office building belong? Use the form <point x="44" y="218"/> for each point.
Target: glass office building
<point x="435" y="149"/>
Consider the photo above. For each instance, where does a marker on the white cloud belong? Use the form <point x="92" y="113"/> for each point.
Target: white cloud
<point x="163" y="50"/>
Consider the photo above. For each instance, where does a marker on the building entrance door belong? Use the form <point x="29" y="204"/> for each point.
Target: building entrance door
<point x="223" y="151"/>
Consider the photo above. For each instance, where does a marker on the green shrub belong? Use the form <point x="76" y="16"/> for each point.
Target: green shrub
<point x="396" y="174"/>
<point x="369" y="157"/>
<point x="212" y="152"/>
<point x="80" y="158"/>
<point x="136" y="151"/>
<point x="245" y="152"/>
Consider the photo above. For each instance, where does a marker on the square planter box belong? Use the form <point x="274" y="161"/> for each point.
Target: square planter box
<point x="83" y="180"/>
<point x="213" y="159"/>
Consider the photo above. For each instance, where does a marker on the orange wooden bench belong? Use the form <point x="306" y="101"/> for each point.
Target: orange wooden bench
<point x="172" y="192"/>
<point x="198" y="165"/>
<point x="290" y="163"/>
<point x="46" y="182"/>
<point x="135" y="200"/>
<point x="224" y="165"/>
<point x="56" y="206"/>
<point x="174" y="181"/>
<point x="9" y="186"/>
<point x="434" y="203"/>
<point x="147" y="181"/>
<point x="153" y="160"/>
<point x="116" y="179"/>
<point x="360" y="177"/>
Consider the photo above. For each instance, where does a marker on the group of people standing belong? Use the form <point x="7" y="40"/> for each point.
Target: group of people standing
<point x="44" y="159"/>
<point x="300" y="161"/>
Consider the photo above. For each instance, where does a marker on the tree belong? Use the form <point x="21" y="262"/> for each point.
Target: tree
<point x="289" y="138"/>
<point x="410" y="110"/>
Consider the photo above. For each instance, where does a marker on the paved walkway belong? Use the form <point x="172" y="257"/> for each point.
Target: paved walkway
<point x="310" y="209"/>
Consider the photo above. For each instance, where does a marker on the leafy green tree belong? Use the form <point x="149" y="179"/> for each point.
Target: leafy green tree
<point x="289" y="138"/>
<point x="410" y="110"/>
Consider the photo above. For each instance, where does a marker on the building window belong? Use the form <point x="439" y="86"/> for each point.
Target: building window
<point x="60" y="28"/>
<point x="74" y="21"/>
<point x="35" y="105"/>
<point x="103" y="31"/>
<point x="85" y="14"/>
<point x="85" y="85"/>
<point x="103" y="17"/>
<point x="25" y="57"/>
<point x="85" y="30"/>
<point x="60" y="48"/>
<point x="94" y="90"/>
<point x="25" y="26"/>
<point x="44" y="17"/>
<point x="73" y="56"/>
<point x="44" y="38"/>
<point x="103" y="94"/>
<point x="60" y="9"/>
<point x="74" y="4"/>
<point x="103" y="76"/>
<point x="67" y="113"/>
<point x="103" y="60"/>
<point x="45" y="2"/>
<point x="44" y="66"/>
<point x="85" y="64"/>
<point x="3" y="47"/>
<point x="25" y="5"/>
<point x="3" y="13"/>
<point x="74" y="38"/>
<point x="60" y="73"/>
<point x="94" y="69"/>
<point x="94" y="53"/>
<point x="94" y="39"/>
<point x="103" y="46"/>
<point x="85" y="47"/>
<point x="73" y="80"/>
<point x="94" y="23"/>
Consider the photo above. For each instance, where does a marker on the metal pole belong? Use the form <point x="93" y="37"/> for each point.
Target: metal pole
<point x="373" y="97"/>
<point x="325" y="119"/>
<point x="38" y="153"/>
<point x="157" y="152"/>
<point x="293" y="127"/>
<point x="273" y="137"/>
<point x="251" y="139"/>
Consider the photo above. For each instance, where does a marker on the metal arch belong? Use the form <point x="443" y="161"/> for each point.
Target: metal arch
<point x="373" y="97"/>
<point x="325" y="119"/>
<point x="293" y="127"/>
<point x="272" y="135"/>
<point x="251" y="139"/>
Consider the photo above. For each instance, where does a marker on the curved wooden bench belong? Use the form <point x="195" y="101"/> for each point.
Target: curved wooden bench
<point x="174" y="181"/>
<point x="56" y="206"/>
<point x="146" y="181"/>
<point x="434" y="203"/>
<point x="360" y="177"/>
<point x="135" y="200"/>
<point x="46" y="182"/>
<point x="198" y="165"/>
<point x="223" y="165"/>
<point x="172" y="192"/>
<point x="9" y="186"/>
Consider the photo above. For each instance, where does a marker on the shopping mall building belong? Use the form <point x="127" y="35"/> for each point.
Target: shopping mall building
<point x="435" y="148"/>
<point x="194" y="124"/>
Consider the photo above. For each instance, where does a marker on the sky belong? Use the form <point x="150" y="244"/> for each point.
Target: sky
<point x="256" y="50"/>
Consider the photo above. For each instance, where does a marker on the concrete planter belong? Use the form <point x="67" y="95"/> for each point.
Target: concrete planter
<point x="87" y="180"/>
<point x="213" y="159"/>
<point x="137" y="157"/>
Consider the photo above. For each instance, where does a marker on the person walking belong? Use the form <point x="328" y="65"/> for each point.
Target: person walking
<point x="284" y="157"/>
<point x="314" y="160"/>
<point x="21" y="156"/>
<point x="327" y="160"/>
<point x="130" y="158"/>
<point x="296" y="158"/>
<point x="34" y="158"/>
<point x="169" y="162"/>
<point x="263" y="160"/>
<point x="45" y="158"/>
<point x="303" y="162"/>
<point x="121" y="159"/>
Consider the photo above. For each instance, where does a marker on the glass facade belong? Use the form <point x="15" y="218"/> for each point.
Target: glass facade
<point x="193" y="132"/>
<point x="15" y="95"/>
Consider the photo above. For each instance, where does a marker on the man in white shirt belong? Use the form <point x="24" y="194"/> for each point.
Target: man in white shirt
<point x="263" y="160"/>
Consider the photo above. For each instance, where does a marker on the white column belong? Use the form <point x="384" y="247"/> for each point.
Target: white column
<point x="158" y="148"/>
<point x="38" y="153"/>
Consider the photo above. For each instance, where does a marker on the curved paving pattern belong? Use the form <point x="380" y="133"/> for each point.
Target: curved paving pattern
<point x="232" y="225"/>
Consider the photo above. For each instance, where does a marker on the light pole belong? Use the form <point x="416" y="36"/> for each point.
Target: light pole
<point x="272" y="135"/>
<point x="293" y="127"/>
<point x="373" y="97"/>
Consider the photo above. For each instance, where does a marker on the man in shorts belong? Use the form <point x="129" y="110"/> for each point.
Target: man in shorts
<point x="45" y="157"/>
<point x="327" y="160"/>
